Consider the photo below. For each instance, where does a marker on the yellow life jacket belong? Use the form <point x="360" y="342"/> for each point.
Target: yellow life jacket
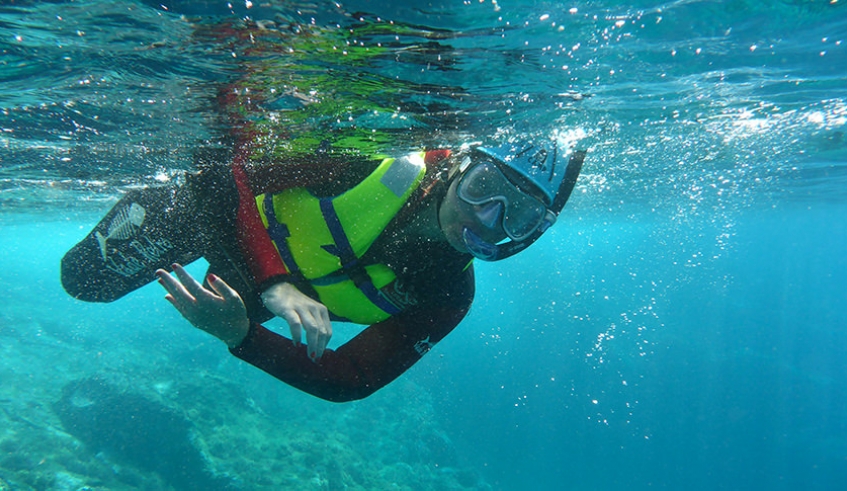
<point x="323" y="239"/>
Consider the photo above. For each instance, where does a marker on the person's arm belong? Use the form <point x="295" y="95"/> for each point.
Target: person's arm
<point x="371" y="360"/>
<point x="366" y="363"/>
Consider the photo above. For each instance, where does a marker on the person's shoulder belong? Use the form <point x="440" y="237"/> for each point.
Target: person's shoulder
<point x="446" y="281"/>
<point x="339" y="176"/>
<point x="322" y="174"/>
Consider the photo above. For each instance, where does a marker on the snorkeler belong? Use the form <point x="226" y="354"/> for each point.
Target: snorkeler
<point x="388" y="244"/>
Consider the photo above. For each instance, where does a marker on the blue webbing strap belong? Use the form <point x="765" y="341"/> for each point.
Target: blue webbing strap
<point x="350" y="262"/>
<point x="278" y="232"/>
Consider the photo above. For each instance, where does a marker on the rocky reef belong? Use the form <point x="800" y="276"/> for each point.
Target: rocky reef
<point x="108" y="414"/>
<point x="137" y="431"/>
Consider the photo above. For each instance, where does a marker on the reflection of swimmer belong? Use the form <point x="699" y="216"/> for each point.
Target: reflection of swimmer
<point x="387" y="244"/>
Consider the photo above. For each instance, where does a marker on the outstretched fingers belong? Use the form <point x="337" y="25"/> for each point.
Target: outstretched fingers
<point x="177" y="295"/>
<point x="185" y="290"/>
<point x="175" y="289"/>
<point x="217" y="310"/>
<point x="191" y="285"/>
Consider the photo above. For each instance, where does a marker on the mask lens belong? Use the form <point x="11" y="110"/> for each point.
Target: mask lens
<point x="484" y="183"/>
<point x="481" y="184"/>
<point x="522" y="218"/>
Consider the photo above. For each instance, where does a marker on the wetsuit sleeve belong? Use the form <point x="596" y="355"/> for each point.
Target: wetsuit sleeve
<point x="371" y="360"/>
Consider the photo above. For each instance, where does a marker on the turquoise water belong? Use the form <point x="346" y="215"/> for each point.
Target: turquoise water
<point x="681" y="327"/>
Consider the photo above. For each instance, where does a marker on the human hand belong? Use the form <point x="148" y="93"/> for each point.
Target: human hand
<point x="301" y="312"/>
<point x="219" y="311"/>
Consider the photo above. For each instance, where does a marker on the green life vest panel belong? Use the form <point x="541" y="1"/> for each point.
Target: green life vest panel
<point x="323" y="239"/>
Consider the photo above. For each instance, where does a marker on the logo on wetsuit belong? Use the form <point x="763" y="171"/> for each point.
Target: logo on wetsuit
<point x="126" y="223"/>
<point x="423" y="346"/>
<point x="139" y="252"/>
<point x="400" y="294"/>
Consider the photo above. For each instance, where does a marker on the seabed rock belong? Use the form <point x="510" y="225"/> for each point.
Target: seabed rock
<point x="137" y="431"/>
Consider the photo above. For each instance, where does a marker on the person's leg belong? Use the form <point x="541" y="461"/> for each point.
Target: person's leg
<point x="148" y="229"/>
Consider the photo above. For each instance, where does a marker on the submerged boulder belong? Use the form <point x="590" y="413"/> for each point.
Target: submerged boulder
<point x="136" y="430"/>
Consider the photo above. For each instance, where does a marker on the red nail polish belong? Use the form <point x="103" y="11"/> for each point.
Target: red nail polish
<point x="212" y="278"/>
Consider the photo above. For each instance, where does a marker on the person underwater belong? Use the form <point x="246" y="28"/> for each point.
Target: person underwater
<point x="389" y="247"/>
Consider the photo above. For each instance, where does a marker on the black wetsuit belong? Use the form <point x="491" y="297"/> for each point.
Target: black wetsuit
<point x="153" y="228"/>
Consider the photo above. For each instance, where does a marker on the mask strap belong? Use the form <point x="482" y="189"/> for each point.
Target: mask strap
<point x="569" y="181"/>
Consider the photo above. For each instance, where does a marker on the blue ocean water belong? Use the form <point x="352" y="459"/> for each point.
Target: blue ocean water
<point x="681" y="327"/>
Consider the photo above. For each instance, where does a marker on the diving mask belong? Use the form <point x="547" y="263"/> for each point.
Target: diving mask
<point x="521" y="214"/>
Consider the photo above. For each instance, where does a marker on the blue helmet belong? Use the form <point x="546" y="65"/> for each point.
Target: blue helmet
<point x="540" y="167"/>
<point x="536" y="169"/>
<point x="534" y="165"/>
